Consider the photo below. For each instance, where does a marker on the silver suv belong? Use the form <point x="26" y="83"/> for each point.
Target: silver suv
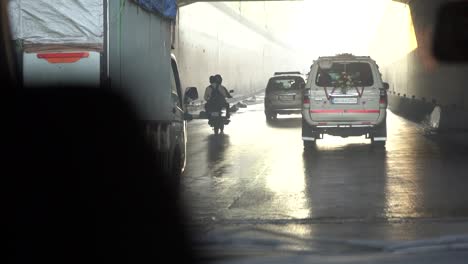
<point x="283" y="94"/>
<point x="344" y="96"/>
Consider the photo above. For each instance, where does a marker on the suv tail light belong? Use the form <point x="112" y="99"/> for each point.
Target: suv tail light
<point x="306" y="98"/>
<point x="383" y="101"/>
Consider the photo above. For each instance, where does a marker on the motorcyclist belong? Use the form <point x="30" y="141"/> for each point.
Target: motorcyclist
<point x="216" y="94"/>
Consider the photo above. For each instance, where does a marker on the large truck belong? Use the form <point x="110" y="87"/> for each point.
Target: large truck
<point x="59" y="42"/>
<point x="120" y="45"/>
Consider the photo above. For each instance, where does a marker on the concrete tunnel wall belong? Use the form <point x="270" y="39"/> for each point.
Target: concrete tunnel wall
<point x="220" y="38"/>
<point x="210" y="38"/>
<point x="418" y="83"/>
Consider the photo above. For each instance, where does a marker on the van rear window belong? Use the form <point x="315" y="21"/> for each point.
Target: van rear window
<point x="343" y="73"/>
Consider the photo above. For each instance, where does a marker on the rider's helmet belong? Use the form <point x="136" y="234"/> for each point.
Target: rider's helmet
<point x="218" y="79"/>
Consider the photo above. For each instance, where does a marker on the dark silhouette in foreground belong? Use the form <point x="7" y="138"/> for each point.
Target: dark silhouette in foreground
<point x="81" y="183"/>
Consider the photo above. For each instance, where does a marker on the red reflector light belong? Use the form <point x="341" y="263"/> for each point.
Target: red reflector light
<point x="322" y="124"/>
<point x="326" y="111"/>
<point x="366" y="123"/>
<point x="376" y="111"/>
<point x="306" y="100"/>
<point x="69" y="57"/>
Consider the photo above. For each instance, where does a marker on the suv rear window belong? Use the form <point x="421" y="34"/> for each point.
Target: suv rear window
<point x="358" y="73"/>
<point x="285" y="83"/>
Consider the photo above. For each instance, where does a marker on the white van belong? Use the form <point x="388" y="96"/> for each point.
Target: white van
<point x="344" y="96"/>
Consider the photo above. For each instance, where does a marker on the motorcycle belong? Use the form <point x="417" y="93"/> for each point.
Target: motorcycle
<point x="217" y="119"/>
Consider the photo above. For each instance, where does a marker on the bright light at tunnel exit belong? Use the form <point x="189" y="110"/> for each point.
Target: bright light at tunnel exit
<point x="396" y="36"/>
<point x="338" y="26"/>
<point x="361" y="27"/>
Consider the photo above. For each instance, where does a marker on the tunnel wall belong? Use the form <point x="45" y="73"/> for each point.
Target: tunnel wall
<point x="219" y="38"/>
<point x="417" y="81"/>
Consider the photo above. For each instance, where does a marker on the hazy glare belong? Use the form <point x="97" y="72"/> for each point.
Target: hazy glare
<point x="334" y="26"/>
<point x="283" y="35"/>
<point x="318" y="27"/>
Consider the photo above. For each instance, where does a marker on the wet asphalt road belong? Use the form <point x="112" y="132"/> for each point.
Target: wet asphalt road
<point x="258" y="174"/>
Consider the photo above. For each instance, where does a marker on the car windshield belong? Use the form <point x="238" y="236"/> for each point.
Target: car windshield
<point x="312" y="131"/>
<point x="285" y="83"/>
<point x="350" y="74"/>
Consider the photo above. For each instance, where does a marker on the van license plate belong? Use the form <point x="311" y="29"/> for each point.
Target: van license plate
<point x="215" y="114"/>
<point x="286" y="97"/>
<point x="345" y="100"/>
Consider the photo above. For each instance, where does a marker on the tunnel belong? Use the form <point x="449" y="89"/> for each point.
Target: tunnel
<point x="421" y="88"/>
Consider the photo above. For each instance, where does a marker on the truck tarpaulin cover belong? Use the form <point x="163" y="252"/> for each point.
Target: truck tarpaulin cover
<point x="58" y="22"/>
<point x="167" y="8"/>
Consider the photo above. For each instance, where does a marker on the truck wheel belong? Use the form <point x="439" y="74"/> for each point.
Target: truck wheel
<point x="176" y="175"/>
<point x="163" y="163"/>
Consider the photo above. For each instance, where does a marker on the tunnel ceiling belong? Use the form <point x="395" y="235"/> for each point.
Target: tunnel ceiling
<point x="188" y="2"/>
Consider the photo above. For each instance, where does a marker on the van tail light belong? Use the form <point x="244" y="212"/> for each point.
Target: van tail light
<point x="306" y="98"/>
<point x="383" y="102"/>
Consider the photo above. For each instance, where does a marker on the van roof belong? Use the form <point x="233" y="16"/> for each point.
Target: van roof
<point x="345" y="56"/>
<point x="288" y="73"/>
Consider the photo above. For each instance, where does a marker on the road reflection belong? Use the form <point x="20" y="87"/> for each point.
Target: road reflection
<point x="426" y="178"/>
<point x="259" y="171"/>
<point x="216" y="153"/>
<point x="285" y="179"/>
<point x="217" y="146"/>
<point x="345" y="181"/>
